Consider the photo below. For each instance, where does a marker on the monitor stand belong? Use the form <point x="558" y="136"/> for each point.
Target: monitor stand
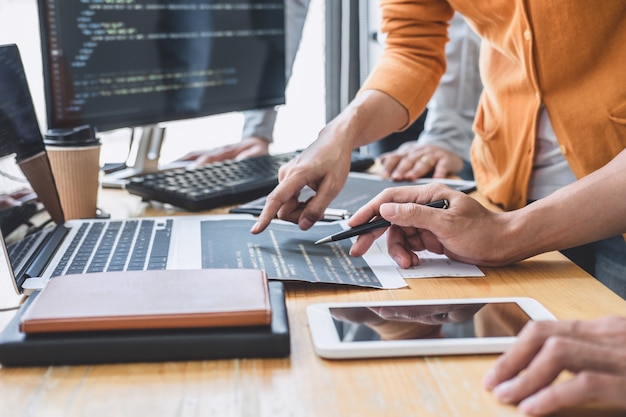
<point x="143" y="157"/>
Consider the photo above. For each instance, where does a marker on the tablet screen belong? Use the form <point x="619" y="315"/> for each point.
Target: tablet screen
<point x="405" y="322"/>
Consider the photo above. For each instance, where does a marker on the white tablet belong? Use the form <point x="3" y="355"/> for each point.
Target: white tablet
<point x="420" y="327"/>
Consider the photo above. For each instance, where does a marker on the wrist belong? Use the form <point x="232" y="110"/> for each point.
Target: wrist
<point x="371" y="116"/>
<point x="527" y="233"/>
<point x="257" y="140"/>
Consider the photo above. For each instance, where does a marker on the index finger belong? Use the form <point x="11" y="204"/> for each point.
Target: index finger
<point x="529" y="343"/>
<point x="281" y="195"/>
<point x="325" y="192"/>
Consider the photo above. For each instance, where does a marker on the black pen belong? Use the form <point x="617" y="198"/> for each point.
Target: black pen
<point x="373" y="225"/>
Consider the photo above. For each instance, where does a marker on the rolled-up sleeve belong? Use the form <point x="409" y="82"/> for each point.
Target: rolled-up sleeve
<point x="414" y="56"/>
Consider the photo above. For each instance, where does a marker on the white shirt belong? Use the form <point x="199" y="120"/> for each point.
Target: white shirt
<point x="452" y="108"/>
<point x="550" y="168"/>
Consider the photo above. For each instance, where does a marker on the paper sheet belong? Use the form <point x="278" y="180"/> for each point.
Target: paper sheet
<point x="431" y="264"/>
<point x="289" y="254"/>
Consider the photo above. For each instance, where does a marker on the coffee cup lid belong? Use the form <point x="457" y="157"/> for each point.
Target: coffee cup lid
<point x="76" y="136"/>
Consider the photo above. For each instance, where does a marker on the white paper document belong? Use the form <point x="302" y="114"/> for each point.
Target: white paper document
<point x="431" y="264"/>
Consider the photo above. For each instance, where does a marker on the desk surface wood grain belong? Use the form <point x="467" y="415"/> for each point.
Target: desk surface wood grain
<point x="304" y="384"/>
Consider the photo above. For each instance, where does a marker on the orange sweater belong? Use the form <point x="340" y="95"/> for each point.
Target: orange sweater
<point x="567" y="55"/>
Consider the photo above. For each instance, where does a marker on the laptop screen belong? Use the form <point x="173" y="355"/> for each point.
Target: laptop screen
<point x="19" y="130"/>
<point x="25" y="173"/>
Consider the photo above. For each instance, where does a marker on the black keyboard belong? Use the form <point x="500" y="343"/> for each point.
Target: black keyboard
<point x="220" y="183"/>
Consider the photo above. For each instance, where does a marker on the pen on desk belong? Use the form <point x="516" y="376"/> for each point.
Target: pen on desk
<point x="330" y="214"/>
<point x="371" y="226"/>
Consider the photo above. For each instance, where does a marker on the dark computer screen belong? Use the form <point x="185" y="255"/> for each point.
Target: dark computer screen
<point x="128" y="63"/>
<point x="19" y="130"/>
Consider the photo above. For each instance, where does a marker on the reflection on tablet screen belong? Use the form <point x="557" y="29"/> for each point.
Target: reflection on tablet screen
<point x="405" y="322"/>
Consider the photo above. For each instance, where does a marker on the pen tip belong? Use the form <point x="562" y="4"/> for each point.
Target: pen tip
<point x="324" y="240"/>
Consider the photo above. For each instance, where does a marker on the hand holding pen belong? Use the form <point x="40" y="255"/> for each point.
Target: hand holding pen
<point x="464" y="232"/>
<point x="373" y="225"/>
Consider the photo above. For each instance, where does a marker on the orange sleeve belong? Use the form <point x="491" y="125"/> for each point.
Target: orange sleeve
<point x="414" y="57"/>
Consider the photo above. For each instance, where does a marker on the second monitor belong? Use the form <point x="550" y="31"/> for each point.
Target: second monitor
<point x="142" y="62"/>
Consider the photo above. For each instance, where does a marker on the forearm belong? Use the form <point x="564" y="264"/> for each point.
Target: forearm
<point x="259" y="123"/>
<point x="369" y="117"/>
<point x="590" y="209"/>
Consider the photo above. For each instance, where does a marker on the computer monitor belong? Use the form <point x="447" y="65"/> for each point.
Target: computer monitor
<point x="137" y="63"/>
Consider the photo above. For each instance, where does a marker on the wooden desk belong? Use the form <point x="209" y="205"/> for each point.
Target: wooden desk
<point x="304" y="384"/>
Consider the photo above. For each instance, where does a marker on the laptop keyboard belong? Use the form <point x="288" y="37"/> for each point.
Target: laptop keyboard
<point x="220" y="183"/>
<point x="117" y="246"/>
<point x="19" y="251"/>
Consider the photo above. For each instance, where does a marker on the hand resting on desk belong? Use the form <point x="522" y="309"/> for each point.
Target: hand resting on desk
<point x="412" y="160"/>
<point x="247" y="148"/>
<point x="592" y="350"/>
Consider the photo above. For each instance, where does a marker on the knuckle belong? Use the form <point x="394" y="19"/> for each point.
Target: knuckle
<point x="535" y="329"/>
<point x="614" y="322"/>
<point x="589" y="380"/>
<point x="387" y="194"/>
<point x="438" y="188"/>
<point x="598" y="388"/>
<point x="577" y="327"/>
<point x="313" y="214"/>
<point x="273" y="199"/>
<point x="408" y="210"/>
<point x="534" y="332"/>
<point x="555" y="347"/>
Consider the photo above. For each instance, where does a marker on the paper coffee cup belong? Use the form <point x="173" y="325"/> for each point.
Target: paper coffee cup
<point x="75" y="161"/>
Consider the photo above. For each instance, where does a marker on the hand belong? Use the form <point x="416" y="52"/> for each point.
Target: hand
<point x="324" y="167"/>
<point x="13" y="199"/>
<point x="247" y="148"/>
<point x="413" y="160"/>
<point x="592" y="350"/>
<point x="325" y="164"/>
<point x="466" y="231"/>
<point x="8" y="201"/>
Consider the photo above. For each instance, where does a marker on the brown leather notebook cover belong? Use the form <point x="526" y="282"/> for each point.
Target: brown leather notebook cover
<point x="150" y="300"/>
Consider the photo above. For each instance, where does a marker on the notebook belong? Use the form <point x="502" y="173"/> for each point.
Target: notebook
<point x="150" y="300"/>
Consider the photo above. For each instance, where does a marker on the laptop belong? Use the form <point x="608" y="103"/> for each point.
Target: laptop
<point x="59" y="247"/>
<point x="46" y="246"/>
